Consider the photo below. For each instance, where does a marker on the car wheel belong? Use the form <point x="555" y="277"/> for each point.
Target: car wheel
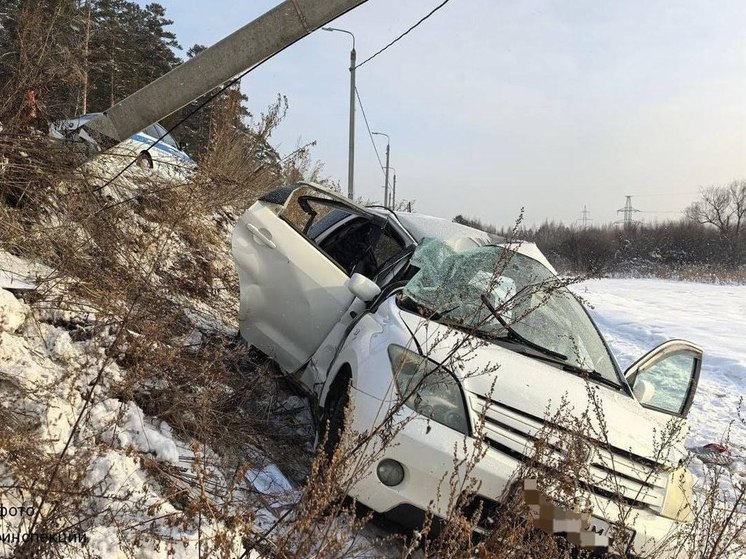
<point x="333" y="422"/>
<point x="144" y="161"/>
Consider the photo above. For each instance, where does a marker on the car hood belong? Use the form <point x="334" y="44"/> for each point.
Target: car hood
<point x="538" y="389"/>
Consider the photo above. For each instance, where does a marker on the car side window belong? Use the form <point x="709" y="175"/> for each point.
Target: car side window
<point x="351" y="246"/>
<point x="671" y="381"/>
<point x="389" y="245"/>
<point x="326" y="222"/>
<point x="167" y="138"/>
<point x="152" y="131"/>
<point x="361" y="246"/>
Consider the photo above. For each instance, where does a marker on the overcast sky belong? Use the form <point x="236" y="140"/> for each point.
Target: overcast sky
<point x="492" y="105"/>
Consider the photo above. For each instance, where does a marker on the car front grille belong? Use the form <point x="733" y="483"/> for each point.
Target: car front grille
<point x="612" y="473"/>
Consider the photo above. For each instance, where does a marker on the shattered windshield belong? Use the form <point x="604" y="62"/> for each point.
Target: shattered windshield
<point x="502" y="294"/>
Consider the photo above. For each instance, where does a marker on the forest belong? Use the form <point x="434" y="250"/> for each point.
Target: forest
<point x="62" y="58"/>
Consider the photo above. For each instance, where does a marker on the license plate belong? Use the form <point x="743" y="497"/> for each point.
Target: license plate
<point x="579" y="529"/>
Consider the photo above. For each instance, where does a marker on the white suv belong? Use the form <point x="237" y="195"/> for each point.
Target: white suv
<point x="340" y="295"/>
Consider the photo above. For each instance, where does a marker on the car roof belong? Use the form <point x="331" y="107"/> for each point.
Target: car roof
<point x="422" y="226"/>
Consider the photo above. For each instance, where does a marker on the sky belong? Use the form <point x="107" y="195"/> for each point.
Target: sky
<point x="496" y="105"/>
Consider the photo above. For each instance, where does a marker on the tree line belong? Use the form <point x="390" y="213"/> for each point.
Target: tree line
<point x="62" y="58"/>
<point x="710" y="236"/>
<point x="80" y="56"/>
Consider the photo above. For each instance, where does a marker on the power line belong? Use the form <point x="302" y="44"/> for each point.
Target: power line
<point x="372" y="141"/>
<point x="435" y="9"/>
<point x="680" y="192"/>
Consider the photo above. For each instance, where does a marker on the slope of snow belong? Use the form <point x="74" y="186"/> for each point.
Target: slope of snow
<point x="44" y="376"/>
<point x="635" y="315"/>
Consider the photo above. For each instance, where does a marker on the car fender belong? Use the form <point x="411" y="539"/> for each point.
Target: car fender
<point x="366" y="349"/>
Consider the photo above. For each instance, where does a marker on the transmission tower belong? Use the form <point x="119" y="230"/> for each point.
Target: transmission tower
<point x="627" y="212"/>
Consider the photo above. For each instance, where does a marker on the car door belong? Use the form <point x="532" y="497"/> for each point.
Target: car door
<point x="291" y="292"/>
<point x="665" y="379"/>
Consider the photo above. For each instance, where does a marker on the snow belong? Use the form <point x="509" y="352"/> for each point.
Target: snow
<point x="269" y="481"/>
<point x="19" y="274"/>
<point x="12" y="312"/>
<point x="45" y="376"/>
<point x="635" y="315"/>
<point x="123" y="425"/>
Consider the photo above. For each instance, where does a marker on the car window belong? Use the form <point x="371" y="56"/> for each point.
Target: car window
<point x="388" y="247"/>
<point x="329" y="220"/>
<point x="671" y="379"/>
<point x="152" y="131"/>
<point x="169" y="139"/>
<point x="166" y="137"/>
<point x="362" y="246"/>
<point x="454" y="283"/>
<point x="304" y="212"/>
<point x="351" y="246"/>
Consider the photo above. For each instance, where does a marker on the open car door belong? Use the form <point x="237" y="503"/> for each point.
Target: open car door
<point x="292" y="292"/>
<point x="665" y="379"/>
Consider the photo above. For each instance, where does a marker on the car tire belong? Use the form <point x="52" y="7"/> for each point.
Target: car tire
<point x="333" y="420"/>
<point x="144" y="161"/>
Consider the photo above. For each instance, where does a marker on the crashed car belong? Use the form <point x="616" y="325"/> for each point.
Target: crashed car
<point x="454" y="334"/>
<point x="152" y="148"/>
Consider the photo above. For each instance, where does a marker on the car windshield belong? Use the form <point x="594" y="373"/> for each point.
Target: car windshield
<point x="505" y="295"/>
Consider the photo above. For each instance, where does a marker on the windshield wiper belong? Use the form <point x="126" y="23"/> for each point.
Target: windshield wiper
<point x="515" y="336"/>
<point x="423" y="311"/>
<point x="592" y="373"/>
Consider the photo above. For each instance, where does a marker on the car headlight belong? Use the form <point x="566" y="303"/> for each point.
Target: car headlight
<point x="679" y="493"/>
<point x="428" y="388"/>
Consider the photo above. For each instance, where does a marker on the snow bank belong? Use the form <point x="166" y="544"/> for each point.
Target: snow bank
<point x="18" y="273"/>
<point x="123" y="425"/>
<point x="12" y="312"/>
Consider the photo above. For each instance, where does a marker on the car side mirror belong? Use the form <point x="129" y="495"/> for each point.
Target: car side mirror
<point x="665" y="379"/>
<point x="363" y="288"/>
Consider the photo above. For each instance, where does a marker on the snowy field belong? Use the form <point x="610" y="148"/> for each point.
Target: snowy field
<point x="635" y="315"/>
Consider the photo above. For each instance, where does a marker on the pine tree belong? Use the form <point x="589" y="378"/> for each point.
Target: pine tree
<point x="40" y="60"/>
<point x="129" y="47"/>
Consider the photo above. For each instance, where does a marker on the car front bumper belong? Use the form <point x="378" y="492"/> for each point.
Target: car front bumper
<point x="439" y="463"/>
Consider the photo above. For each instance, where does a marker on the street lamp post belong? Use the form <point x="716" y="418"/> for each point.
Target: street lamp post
<point x="388" y="152"/>
<point x="351" y="154"/>
<point x="392" y="205"/>
<point x="393" y="194"/>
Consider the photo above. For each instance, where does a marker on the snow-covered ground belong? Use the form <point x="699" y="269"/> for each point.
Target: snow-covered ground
<point x="635" y="315"/>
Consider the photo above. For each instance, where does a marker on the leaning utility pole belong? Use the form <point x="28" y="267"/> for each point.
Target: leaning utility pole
<point x="246" y="48"/>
